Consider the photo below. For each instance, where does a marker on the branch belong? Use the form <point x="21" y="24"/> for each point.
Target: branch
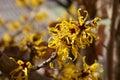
<point x="53" y="56"/>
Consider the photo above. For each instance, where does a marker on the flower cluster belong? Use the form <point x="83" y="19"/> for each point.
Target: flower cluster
<point x="33" y="3"/>
<point x="71" y="71"/>
<point x="21" y="72"/>
<point x="35" y="44"/>
<point x="72" y="35"/>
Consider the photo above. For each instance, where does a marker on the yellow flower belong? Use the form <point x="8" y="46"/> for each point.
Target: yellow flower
<point x="31" y="3"/>
<point x="40" y="16"/>
<point x="21" y="3"/>
<point x="35" y="38"/>
<point x="36" y="3"/>
<point x="23" y="18"/>
<point x="90" y="71"/>
<point x="67" y="36"/>
<point x="21" y="72"/>
<point x="72" y="35"/>
<point x="7" y="39"/>
<point x="36" y="42"/>
<point x="1" y="21"/>
<point x="70" y="72"/>
<point x="27" y="28"/>
<point x="14" y="25"/>
<point x="51" y="65"/>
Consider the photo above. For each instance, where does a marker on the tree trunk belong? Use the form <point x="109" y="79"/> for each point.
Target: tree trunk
<point x="117" y="66"/>
<point x="111" y="41"/>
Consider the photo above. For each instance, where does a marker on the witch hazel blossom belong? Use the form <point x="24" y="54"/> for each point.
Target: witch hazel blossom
<point x="73" y="34"/>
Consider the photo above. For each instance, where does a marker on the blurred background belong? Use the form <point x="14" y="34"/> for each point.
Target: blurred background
<point x="106" y="50"/>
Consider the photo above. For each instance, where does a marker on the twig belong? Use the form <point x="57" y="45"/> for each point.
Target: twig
<point x="53" y="56"/>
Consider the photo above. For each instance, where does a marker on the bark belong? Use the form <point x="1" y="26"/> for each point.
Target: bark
<point x="117" y="67"/>
<point x="111" y="42"/>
